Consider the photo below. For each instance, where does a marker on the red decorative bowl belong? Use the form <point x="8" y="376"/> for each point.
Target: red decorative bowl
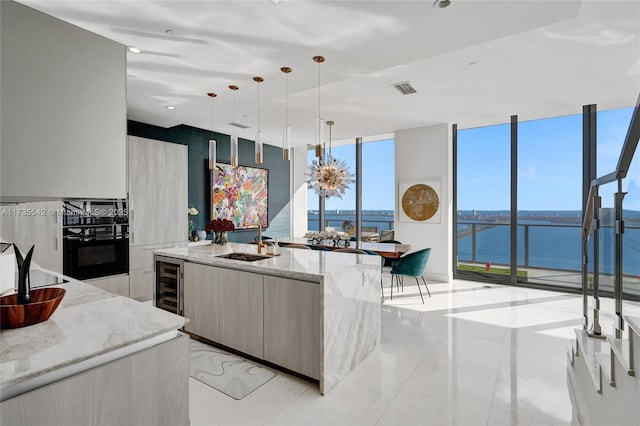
<point x="44" y="302"/>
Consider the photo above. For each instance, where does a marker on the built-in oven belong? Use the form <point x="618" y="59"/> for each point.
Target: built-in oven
<point x="95" y="235"/>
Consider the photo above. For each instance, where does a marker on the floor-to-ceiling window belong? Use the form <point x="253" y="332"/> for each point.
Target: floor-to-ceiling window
<point x="483" y="203"/>
<point x="550" y="200"/>
<point x="550" y="186"/>
<point x="378" y="180"/>
<point x="611" y="131"/>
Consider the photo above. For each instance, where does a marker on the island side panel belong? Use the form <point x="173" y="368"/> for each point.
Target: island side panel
<point x="292" y="324"/>
<point x="351" y="320"/>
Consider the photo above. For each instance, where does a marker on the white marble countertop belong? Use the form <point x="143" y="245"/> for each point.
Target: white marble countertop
<point x="308" y="265"/>
<point x="89" y="323"/>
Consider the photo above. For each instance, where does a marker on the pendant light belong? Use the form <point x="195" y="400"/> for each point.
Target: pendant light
<point x="234" y="139"/>
<point x="259" y="146"/>
<point x="319" y="121"/>
<point x="212" y="141"/>
<point x="329" y="177"/>
<point x="286" y="132"/>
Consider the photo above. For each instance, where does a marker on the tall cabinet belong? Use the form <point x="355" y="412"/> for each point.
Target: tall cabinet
<point x="158" y="198"/>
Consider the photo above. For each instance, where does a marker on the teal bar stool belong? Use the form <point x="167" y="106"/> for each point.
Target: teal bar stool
<point x="410" y="265"/>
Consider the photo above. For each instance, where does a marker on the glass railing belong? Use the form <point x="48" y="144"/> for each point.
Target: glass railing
<point x="551" y="254"/>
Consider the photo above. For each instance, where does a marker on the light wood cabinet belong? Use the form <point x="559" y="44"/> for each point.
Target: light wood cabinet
<point x="150" y="387"/>
<point x="272" y="318"/>
<point x="40" y="223"/>
<point x="241" y="311"/>
<point x="202" y="300"/>
<point x="292" y="324"/>
<point x="141" y="269"/>
<point x="157" y="182"/>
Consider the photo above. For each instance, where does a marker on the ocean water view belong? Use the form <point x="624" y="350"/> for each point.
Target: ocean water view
<point x="547" y="239"/>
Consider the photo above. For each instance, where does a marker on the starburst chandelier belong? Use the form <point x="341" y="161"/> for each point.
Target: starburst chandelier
<point x="329" y="176"/>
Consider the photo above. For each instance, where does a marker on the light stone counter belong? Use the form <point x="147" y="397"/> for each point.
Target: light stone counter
<point x="307" y="265"/>
<point x="89" y="328"/>
<point x="349" y="297"/>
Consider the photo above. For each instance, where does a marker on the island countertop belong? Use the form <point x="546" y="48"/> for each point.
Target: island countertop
<point x="90" y="327"/>
<point x="308" y="265"/>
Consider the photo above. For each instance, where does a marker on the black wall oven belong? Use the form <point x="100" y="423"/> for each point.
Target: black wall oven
<point x="95" y="238"/>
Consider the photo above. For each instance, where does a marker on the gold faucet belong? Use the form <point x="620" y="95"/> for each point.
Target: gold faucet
<point x="260" y="243"/>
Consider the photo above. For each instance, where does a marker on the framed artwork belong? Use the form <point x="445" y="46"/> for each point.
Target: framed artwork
<point x="240" y="194"/>
<point x="419" y="201"/>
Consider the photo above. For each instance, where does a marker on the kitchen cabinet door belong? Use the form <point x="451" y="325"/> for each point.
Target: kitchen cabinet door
<point x="40" y="224"/>
<point x="157" y="181"/>
<point x="202" y="300"/>
<point x="141" y="270"/>
<point x="241" y="301"/>
<point x="292" y="324"/>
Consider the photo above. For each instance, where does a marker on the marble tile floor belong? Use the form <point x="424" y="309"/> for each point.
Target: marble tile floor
<point x="473" y="354"/>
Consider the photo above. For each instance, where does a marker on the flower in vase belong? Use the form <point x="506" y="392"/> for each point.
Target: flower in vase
<point x="219" y="225"/>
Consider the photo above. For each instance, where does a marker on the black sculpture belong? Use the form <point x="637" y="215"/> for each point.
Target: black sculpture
<point x="24" y="280"/>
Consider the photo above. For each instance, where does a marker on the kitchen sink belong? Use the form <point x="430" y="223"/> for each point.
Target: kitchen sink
<point x="247" y="257"/>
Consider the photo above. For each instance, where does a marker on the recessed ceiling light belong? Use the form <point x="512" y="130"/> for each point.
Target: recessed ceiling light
<point x="169" y="32"/>
<point x="133" y="49"/>
<point x="442" y="3"/>
<point x="171" y="107"/>
<point x="472" y="63"/>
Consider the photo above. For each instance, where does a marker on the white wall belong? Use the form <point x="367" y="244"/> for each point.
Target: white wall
<point x="423" y="154"/>
<point x="63" y="109"/>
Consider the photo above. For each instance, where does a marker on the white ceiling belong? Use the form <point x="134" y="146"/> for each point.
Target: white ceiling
<point x="474" y="63"/>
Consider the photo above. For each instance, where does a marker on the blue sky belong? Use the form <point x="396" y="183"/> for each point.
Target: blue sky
<point x="549" y="166"/>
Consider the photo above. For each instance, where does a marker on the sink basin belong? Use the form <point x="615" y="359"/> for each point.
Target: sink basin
<point x="247" y="257"/>
<point x="44" y="302"/>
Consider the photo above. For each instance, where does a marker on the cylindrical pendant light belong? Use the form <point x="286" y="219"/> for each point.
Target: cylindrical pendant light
<point x="259" y="146"/>
<point x="286" y="132"/>
<point x="319" y="121"/>
<point x="212" y="142"/>
<point x="234" y="139"/>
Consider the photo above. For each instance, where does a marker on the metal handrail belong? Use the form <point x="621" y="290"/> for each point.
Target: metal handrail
<point x="591" y="221"/>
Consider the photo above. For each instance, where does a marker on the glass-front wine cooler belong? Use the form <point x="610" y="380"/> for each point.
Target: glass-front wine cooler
<point x="168" y="289"/>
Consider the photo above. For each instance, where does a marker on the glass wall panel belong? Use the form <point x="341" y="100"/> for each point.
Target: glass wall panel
<point x="550" y="200"/>
<point x="483" y="202"/>
<point x="631" y="237"/>
<point x="340" y="209"/>
<point x="378" y="190"/>
<point x="378" y="187"/>
<point x="612" y="130"/>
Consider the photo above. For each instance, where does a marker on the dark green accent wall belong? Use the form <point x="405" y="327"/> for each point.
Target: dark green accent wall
<point x="199" y="179"/>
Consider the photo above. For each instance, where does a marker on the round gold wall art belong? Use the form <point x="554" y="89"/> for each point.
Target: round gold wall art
<point x="420" y="202"/>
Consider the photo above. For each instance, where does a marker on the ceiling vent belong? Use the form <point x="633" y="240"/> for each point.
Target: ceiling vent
<point x="405" y="88"/>
<point x="238" y="125"/>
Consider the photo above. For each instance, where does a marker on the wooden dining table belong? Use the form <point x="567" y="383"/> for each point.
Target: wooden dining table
<point x="388" y="250"/>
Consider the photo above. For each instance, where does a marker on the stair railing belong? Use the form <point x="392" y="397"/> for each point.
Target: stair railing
<point x="591" y="222"/>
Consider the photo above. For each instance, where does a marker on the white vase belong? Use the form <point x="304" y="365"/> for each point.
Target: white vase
<point x="202" y="235"/>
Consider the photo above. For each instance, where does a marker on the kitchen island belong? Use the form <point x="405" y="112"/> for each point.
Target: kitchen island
<point x="311" y="312"/>
<point x="99" y="359"/>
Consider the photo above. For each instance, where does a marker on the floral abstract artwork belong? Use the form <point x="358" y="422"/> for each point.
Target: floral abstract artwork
<point x="240" y="194"/>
